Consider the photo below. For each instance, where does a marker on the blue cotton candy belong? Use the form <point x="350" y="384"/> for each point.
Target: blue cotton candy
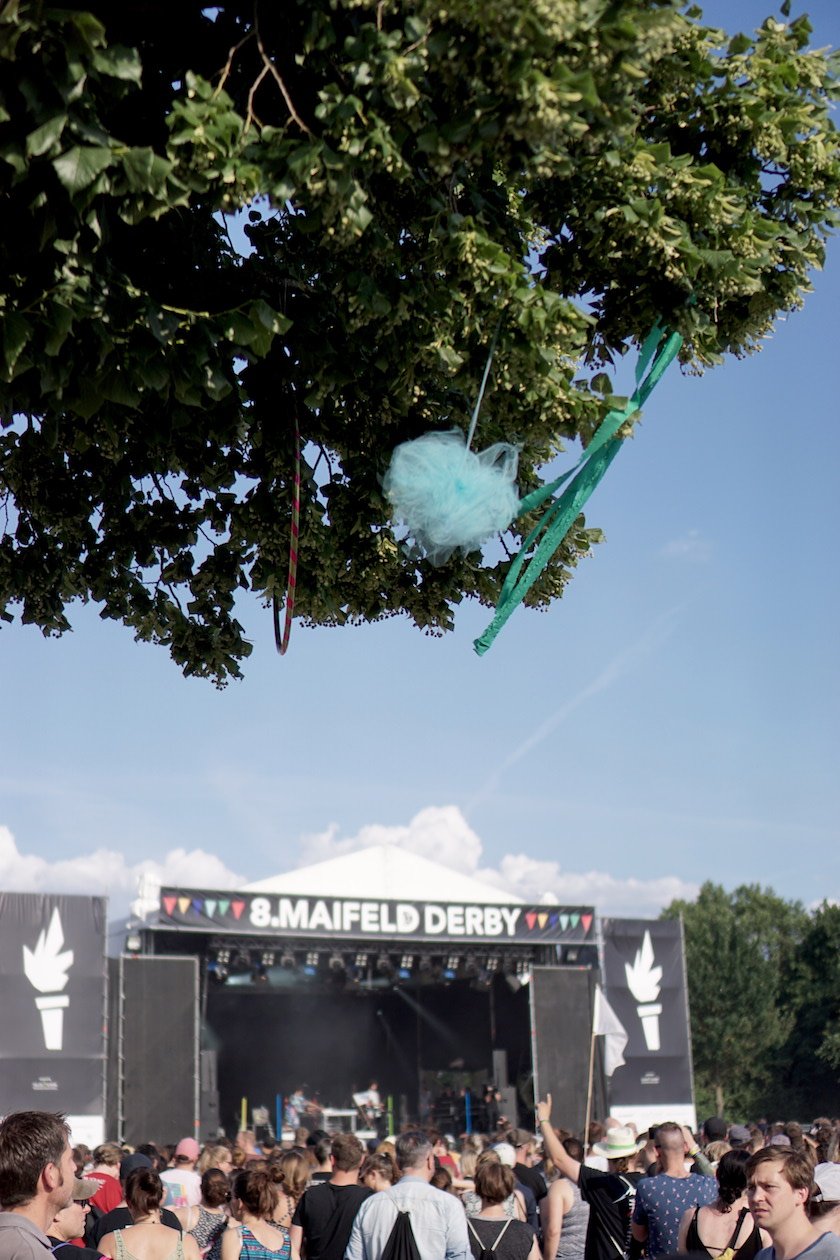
<point x="447" y="496"/>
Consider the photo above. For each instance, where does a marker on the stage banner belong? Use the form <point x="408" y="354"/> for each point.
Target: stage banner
<point x="52" y="998"/>
<point x="266" y="913"/>
<point x="644" y="976"/>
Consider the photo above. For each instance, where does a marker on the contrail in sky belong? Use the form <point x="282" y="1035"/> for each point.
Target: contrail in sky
<point x="653" y="637"/>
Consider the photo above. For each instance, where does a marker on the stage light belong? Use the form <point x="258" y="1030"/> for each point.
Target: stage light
<point x="223" y="957"/>
<point x="215" y="971"/>
<point x="407" y="962"/>
<point x="133" y="942"/>
<point x="361" y="961"/>
<point x="267" y="958"/>
<point x="287" y="960"/>
<point x="337" y="963"/>
<point x="310" y="964"/>
<point x="492" y="964"/>
<point x="450" y="967"/>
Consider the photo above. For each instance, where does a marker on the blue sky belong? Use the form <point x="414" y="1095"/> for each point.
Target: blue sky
<point x="673" y="719"/>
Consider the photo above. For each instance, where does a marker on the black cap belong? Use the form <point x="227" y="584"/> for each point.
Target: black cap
<point x="130" y="1162"/>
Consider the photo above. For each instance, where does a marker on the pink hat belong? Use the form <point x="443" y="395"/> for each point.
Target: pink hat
<point x="187" y="1148"/>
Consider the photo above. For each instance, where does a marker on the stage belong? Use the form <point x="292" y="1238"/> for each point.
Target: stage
<point x="433" y="1000"/>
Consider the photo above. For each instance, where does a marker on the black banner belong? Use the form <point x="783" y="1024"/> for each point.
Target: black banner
<point x="644" y="978"/>
<point x="52" y="994"/>
<point x="291" y="915"/>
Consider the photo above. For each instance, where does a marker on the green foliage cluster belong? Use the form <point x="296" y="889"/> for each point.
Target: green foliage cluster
<point x="764" y="993"/>
<point x="411" y="174"/>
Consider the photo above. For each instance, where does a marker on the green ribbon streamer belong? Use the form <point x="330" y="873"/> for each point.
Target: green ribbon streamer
<point x="658" y="352"/>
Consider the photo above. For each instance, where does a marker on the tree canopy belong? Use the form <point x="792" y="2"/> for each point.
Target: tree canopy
<point x="410" y="176"/>
<point x="763" y="984"/>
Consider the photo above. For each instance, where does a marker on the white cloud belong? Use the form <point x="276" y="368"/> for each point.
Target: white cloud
<point x="443" y="834"/>
<point x="107" y="873"/>
<point x="691" y="547"/>
<point x="440" y="833"/>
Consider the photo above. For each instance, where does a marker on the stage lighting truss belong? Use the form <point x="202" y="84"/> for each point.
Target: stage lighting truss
<point x="385" y="965"/>
<point x="269" y="964"/>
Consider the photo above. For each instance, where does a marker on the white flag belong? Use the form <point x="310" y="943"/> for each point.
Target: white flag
<point x="606" y="1024"/>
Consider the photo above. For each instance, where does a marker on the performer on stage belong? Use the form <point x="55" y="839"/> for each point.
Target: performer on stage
<point x="370" y="1105"/>
<point x="300" y="1111"/>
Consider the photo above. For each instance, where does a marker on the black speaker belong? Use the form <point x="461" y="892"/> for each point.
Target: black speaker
<point x="157" y="1049"/>
<point x="500" y="1069"/>
<point x="209" y="1095"/>
<point x="561" y="1014"/>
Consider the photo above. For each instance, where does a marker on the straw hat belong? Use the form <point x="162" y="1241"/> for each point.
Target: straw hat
<point x="619" y="1142"/>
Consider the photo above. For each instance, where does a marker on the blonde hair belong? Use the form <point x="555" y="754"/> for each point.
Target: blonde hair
<point x="294" y="1171"/>
<point x="212" y="1156"/>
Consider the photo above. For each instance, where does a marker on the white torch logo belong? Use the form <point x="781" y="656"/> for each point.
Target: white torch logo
<point x="643" y="982"/>
<point x="46" y="970"/>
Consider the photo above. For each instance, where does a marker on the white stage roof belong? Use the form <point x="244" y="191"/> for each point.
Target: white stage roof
<point x="386" y="873"/>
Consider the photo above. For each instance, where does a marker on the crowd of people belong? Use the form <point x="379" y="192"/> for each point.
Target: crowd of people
<point x="731" y="1192"/>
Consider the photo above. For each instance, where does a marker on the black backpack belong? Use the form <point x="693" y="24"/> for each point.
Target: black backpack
<point x="487" y="1253"/>
<point x="401" y="1244"/>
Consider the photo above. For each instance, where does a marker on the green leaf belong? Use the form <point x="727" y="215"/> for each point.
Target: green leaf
<point x="15" y="331"/>
<point x="145" y="170"/>
<point x="119" y="63"/>
<point x="62" y="322"/>
<point x="45" y="136"/>
<point x="79" y="167"/>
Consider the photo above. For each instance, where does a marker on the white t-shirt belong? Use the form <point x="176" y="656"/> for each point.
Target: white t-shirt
<point x="182" y="1187"/>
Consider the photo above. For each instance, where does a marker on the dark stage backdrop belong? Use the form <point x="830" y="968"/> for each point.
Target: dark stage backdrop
<point x="268" y="1043"/>
<point x="52" y="1003"/>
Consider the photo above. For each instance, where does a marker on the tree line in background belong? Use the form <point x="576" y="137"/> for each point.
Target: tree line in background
<point x="763" y="987"/>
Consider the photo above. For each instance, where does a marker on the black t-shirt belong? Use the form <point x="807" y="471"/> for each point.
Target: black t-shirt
<point x="120" y="1218"/>
<point x="610" y="1201"/>
<point x="514" y="1243"/>
<point x="69" y="1251"/>
<point x="326" y="1214"/>
<point x="532" y="1178"/>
